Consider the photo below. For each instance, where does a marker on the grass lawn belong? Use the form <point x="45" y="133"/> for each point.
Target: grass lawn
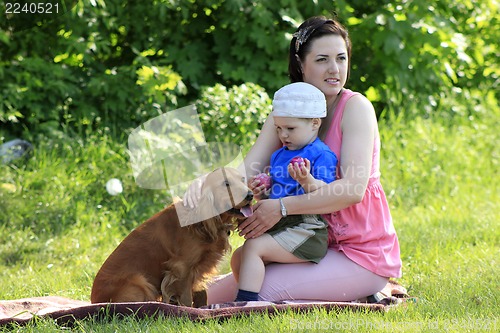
<point x="58" y="224"/>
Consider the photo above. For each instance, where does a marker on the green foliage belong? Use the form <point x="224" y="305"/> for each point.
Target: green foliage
<point x="419" y="53"/>
<point x="86" y="79"/>
<point x="36" y="91"/>
<point x="233" y="115"/>
<point x="117" y="63"/>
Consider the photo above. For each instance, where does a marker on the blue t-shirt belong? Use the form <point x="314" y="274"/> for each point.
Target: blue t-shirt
<point x="323" y="167"/>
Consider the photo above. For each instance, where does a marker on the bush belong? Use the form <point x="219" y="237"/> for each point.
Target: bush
<point x="115" y="63"/>
<point x="43" y="97"/>
<point x="233" y="115"/>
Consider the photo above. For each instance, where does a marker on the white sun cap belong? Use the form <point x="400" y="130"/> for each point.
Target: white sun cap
<point x="299" y="100"/>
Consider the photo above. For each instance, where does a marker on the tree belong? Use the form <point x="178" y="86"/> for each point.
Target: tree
<point x="115" y="63"/>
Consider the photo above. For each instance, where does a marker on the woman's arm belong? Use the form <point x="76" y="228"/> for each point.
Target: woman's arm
<point x="358" y="133"/>
<point x="359" y="125"/>
<point x="259" y="156"/>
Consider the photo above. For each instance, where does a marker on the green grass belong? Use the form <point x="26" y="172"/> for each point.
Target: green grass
<point x="58" y="224"/>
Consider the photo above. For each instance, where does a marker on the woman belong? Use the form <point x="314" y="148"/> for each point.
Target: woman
<point x="363" y="246"/>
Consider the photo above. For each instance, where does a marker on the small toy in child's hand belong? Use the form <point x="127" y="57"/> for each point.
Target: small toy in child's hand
<point x="264" y="179"/>
<point x="297" y="160"/>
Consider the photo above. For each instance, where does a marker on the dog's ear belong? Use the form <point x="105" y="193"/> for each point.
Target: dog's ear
<point x="208" y="229"/>
<point x="204" y="219"/>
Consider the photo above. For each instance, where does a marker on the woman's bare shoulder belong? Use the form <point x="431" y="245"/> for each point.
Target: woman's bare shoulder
<point x="359" y="111"/>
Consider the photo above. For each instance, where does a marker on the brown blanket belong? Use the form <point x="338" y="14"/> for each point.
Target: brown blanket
<point x="66" y="311"/>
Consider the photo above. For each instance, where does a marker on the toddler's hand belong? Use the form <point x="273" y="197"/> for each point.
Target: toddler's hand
<point x="299" y="171"/>
<point x="260" y="185"/>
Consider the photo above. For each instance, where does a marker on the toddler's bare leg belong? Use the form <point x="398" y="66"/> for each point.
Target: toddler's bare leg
<point x="256" y="253"/>
<point x="236" y="263"/>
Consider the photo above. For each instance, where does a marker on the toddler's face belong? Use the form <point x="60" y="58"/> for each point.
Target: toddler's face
<point x="295" y="133"/>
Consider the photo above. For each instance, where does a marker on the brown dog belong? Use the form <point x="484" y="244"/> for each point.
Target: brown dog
<point x="161" y="260"/>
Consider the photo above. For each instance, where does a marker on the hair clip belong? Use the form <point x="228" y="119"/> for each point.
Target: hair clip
<point x="301" y="37"/>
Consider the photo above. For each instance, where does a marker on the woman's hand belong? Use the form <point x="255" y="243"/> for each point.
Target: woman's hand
<point x="266" y="214"/>
<point x="193" y="193"/>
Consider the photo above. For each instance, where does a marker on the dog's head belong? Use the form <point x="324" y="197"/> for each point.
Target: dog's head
<point x="224" y="195"/>
<point x="225" y="189"/>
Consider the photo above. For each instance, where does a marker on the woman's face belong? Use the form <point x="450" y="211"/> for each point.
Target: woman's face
<point x="326" y="65"/>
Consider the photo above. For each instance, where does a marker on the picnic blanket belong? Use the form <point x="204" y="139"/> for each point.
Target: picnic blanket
<point x="66" y="311"/>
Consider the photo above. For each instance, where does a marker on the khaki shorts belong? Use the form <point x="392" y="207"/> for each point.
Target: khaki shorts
<point x="305" y="236"/>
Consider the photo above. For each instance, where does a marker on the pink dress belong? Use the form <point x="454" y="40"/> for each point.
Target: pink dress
<point x="364" y="232"/>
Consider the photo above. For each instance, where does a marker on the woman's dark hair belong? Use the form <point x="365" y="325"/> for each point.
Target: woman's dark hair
<point x="309" y="30"/>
